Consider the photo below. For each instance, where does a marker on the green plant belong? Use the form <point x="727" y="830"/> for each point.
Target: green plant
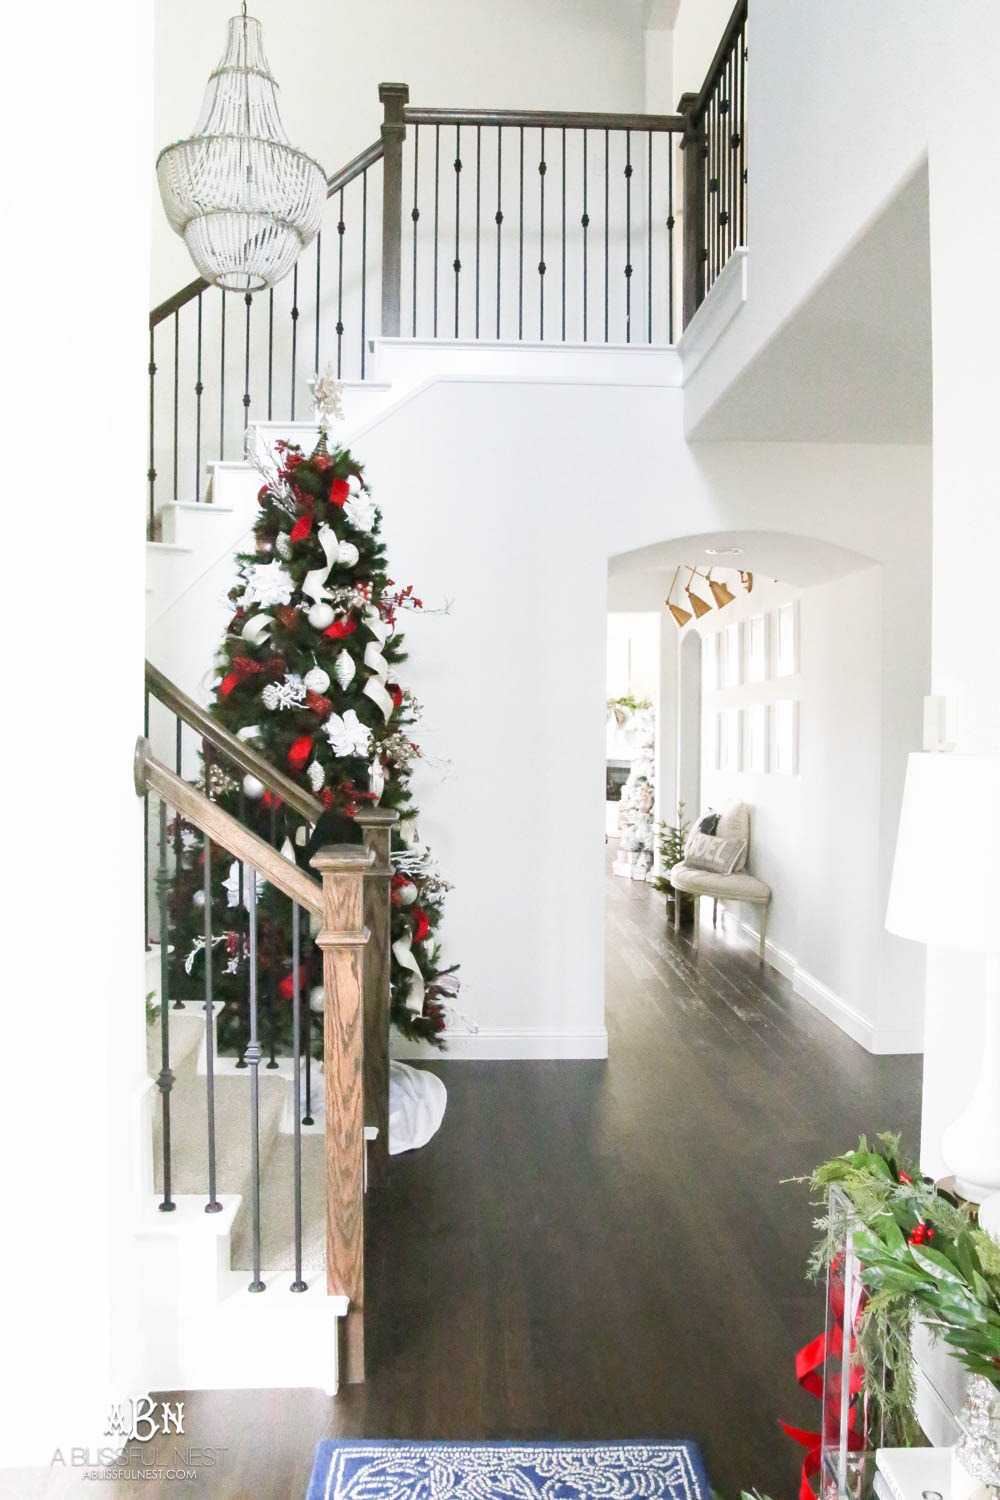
<point x="620" y="708"/>
<point x="152" y="1009"/>
<point x="671" y="839"/>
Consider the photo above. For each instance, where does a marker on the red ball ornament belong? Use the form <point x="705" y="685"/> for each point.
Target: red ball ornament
<point x="300" y="752"/>
<point x="395" y="693"/>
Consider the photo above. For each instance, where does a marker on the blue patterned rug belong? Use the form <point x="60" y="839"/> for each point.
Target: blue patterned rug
<point x="362" y="1469"/>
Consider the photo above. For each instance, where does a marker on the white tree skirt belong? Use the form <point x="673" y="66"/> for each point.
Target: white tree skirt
<point x="417" y="1101"/>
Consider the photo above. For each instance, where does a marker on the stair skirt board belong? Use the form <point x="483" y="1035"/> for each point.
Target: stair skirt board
<point x="201" y="1327"/>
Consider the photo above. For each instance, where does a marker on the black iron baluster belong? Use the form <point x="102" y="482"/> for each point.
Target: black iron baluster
<point x="178" y="845"/>
<point x="607" y="181"/>
<point x="628" y="236"/>
<point x="341" y="227"/>
<point x="585" y="221"/>
<point x="298" y="1285"/>
<point x="499" y="215"/>
<point x="730" y="154"/>
<point x="437" y="205"/>
<point x="364" y="263"/>
<point x="564" y="234"/>
<point x="252" y="1057"/>
<point x="649" y="236"/>
<point x="198" y="390"/>
<point x="272" y="955"/>
<point x="520" y="243"/>
<point x="541" y="239"/>
<point x="717" y="215"/>
<point x="151" y="471"/>
<point x="213" y="1206"/>
<point x="295" y="329"/>
<point x="415" y="217"/>
<point x="177" y="387"/>
<point x="248" y="299"/>
<point x="145" y="828"/>
<point x="479" y="132"/>
<point x="456" y="263"/>
<point x="240" y="889"/>
<point x="723" y="170"/>
<point x="670" y="239"/>
<point x="222" y="380"/>
<point x="319" y="238"/>
<point x="270" y="352"/>
<point x="165" y="1079"/>
<point x="307" y="1118"/>
<point x="743" y="137"/>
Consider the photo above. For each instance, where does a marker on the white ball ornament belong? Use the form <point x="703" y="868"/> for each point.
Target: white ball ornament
<point x="198" y="898"/>
<point x="316" y="997"/>
<point x="253" y="788"/>
<point x="321" y="615"/>
<point x="407" y="893"/>
<point x="349" y="554"/>
<point x="344" y="668"/>
<point x="316" y="680"/>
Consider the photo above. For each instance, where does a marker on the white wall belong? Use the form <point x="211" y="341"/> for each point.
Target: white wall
<point x="697" y="32"/>
<point x="74" y="1021"/>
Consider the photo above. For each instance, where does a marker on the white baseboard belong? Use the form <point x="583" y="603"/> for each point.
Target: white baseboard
<point x="508" y="1044"/>
<point x="879" y="1040"/>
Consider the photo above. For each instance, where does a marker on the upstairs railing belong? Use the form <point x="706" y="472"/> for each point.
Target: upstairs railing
<point x="352" y="902"/>
<point x="490" y="225"/>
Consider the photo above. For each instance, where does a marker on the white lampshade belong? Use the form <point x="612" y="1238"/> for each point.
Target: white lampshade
<point x="946" y="876"/>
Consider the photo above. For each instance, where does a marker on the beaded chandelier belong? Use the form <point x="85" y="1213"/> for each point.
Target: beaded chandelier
<point x="245" y="202"/>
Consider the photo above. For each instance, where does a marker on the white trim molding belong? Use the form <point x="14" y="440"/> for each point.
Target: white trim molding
<point x="713" y="317"/>
<point x="874" y="1039"/>
<point x="508" y="1044"/>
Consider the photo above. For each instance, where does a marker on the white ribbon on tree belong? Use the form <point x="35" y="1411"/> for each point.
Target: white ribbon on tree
<point x="403" y="954"/>
<point x="376" y="663"/>
<point x="335" y="551"/>
<point x="257" y="629"/>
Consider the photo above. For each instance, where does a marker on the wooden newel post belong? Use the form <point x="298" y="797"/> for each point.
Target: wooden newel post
<point x="393" y="97"/>
<point x="694" y="146"/>
<point x="342" y="939"/>
<point x="377" y="824"/>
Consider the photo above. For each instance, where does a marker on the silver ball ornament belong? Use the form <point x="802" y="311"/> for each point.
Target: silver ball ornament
<point x="317" y="995"/>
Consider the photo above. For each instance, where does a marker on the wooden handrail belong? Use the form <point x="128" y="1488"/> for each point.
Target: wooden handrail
<point x="216" y="824"/>
<point x="364" y="159"/>
<point x="571" y="119"/>
<point x="249" y="760"/>
<point x="722" y="51"/>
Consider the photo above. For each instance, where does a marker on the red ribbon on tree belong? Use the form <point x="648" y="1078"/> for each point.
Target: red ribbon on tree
<point x="286" y="989"/>
<point x="341" y="628"/>
<point x="302" y="528"/>
<point x="339" y="490"/>
<point x="423" y="925"/>
<point x="395" y="693"/>
<point x="300" y="752"/>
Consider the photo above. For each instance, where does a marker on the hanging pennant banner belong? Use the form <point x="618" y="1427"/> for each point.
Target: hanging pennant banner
<point x="415" y="988"/>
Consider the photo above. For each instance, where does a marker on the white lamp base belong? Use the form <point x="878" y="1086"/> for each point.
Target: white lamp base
<point x="971" y="1146"/>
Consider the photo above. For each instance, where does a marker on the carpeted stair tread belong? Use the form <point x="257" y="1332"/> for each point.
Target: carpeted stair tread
<point x="277" y="1227"/>
<point x="189" y="1128"/>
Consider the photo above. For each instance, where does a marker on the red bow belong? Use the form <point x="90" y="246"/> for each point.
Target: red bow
<point x="340" y="628"/>
<point x="300" y="752"/>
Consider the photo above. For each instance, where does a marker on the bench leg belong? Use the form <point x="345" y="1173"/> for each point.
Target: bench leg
<point x="677" y="910"/>
<point x="697" y="920"/>
<point x="763" y="933"/>
<point x="715" y="911"/>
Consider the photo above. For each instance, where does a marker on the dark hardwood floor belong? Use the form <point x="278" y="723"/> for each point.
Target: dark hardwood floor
<point x="598" y="1250"/>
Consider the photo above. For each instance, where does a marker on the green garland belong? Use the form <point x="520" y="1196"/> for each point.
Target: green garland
<point x="920" y="1254"/>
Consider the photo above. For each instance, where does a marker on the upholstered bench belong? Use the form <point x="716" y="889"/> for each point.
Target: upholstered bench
<point x="736" y="885"/>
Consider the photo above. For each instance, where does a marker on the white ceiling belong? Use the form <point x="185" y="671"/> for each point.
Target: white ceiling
<point x="798" y="560"/>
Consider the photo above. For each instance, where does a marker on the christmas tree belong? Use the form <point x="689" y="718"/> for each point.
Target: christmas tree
<point x="309" y="675"/>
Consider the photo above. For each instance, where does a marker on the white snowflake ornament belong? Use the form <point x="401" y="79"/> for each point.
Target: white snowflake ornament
<point x="344" y="668"/>
<point x="267" y="584"/>
<point x="347" y="734"/>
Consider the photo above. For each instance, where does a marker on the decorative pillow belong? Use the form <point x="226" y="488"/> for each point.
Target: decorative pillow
<point x="709" y="823"/>
<point x="734" y="823"/>
<point x="718" y="856"/>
